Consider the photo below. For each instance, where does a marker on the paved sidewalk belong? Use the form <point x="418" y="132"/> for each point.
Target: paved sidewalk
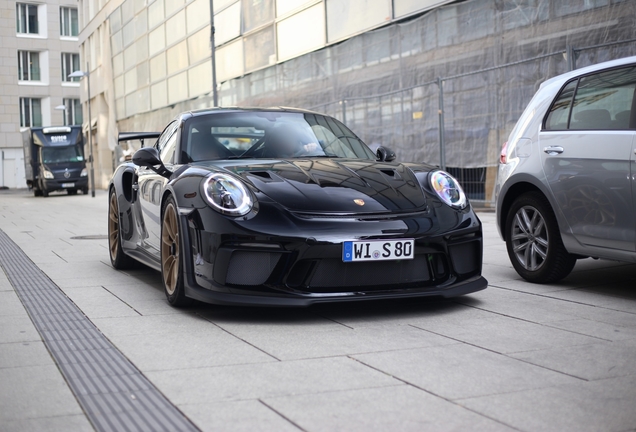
<point x="515" y="356"/>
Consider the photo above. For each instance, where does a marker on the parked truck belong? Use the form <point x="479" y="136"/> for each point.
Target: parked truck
<point x="54" y="160"/>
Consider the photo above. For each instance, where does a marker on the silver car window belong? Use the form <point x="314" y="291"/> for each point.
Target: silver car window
<point x="603" y="101"/>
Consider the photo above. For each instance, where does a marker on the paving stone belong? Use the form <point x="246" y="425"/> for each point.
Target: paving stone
<point x="66" y="423"/>
<point x="402" y="408"/>
<point x="10" y="304"/>
<point x="599" y="299"/>
<point x="17" y="329"/>
<point x="22" y="354"/>
<point x="416" y="311"/>
<point x="34" y="391"/>
<point x="96" y="302"/>
<point x="525" y="306"/>
<point x="609" y="332"/>
<point x="606" y="405"/>
<point x="263" y="380"/>
<point x="153" y="325"/>
<point x="590" y="362"/>
<point x="237" y="416"/>
<point x="177" y="350"/>
<point x="507" y="335"/>
<point x="462" y="371"/>
<point x="293" y="342"/>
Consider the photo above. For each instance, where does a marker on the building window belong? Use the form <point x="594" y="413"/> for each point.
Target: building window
<point x="28" y="66"/>
<point x="30" y="112"/>
<point x="70" y="64"/>
<point x="26" y="18"/>
<point x="72" y="112"/>
<point x="68" y="22"/>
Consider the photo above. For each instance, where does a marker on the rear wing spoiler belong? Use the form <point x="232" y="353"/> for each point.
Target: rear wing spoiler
<point x="130" y="136"/>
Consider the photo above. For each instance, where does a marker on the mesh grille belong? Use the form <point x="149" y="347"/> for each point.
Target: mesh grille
<point x="466" y="257"/>
<point x="333" y="273"/>
<point x="251" y="268"/>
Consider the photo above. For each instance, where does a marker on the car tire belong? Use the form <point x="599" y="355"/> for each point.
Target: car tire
<point x="37" y="192"/>
<point x="118" y="257"/>
<point x="534" y="242"/>
<point x="171" y="257"/>
<point x="72" y="191"/>
<point x="85" y="190"/>
<point x="45" y="193"/>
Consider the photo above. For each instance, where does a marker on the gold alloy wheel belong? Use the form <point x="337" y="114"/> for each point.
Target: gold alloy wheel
<point x="113" y="227"/>
<point x="170" y="249"/>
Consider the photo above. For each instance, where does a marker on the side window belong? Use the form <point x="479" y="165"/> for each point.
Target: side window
<point x="604" y="101"/>
<point x="559" y="113"/>
<point x="166" y="134"/>
<point x="167" y="152"/>
<point x="167" y="142"/>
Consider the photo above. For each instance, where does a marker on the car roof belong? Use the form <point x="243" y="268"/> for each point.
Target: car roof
<point x="589" y="69"/>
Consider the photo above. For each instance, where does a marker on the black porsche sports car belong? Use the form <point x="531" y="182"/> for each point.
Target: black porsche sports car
<point x="288" y="207"/>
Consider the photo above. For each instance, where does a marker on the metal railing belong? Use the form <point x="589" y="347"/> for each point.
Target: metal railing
<point x="477" y="179"/>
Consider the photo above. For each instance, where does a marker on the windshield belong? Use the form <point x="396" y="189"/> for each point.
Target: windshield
<point x="61" y="154"/>
<point x="276" y="135"/>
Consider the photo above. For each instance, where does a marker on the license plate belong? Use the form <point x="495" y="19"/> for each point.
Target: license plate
<point x="377" y="250"/>
<point x="68" y="185"/>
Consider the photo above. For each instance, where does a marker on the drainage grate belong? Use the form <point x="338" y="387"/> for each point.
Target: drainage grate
<point x="113" y="393"/>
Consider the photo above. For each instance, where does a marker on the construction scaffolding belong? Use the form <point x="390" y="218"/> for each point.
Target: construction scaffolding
<point x="446" y="87"/>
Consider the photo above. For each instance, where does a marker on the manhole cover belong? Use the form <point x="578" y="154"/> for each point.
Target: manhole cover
<point x="91" y="237"/>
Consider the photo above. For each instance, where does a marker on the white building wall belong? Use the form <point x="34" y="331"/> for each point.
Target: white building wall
<point x="50" y="88"/>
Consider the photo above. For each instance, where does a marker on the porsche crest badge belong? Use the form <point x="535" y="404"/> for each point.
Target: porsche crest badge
<point x="359" y="202"/>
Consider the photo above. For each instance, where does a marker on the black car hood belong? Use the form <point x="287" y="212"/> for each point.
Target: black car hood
<point x="333" y="185"/>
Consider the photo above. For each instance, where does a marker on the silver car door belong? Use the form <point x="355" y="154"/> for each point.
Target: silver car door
<point x="586" y="149"/>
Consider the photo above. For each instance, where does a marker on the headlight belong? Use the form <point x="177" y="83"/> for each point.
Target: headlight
<point x="228" y="195"/>
<point x="84" y="173"/>
<point x="47" y="174"/>
<point x="448" y="189"/>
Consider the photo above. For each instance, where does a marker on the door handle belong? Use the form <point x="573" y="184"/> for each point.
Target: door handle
<point x="553" y="150"/>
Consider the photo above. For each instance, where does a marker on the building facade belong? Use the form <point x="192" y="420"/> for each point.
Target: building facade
<point x="427" y="78"/>
<point x="38" y="50"/>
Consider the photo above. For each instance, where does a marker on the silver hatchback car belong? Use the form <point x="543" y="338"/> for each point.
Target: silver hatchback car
<point x="566" y="185"/>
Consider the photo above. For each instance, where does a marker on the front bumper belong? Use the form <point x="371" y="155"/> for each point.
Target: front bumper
<point x="302" y="264"/>
<point x="471" y="285"/>
<point x="63" y="184"/>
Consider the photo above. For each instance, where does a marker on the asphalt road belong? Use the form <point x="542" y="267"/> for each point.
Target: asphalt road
<point x="515" y="356"/>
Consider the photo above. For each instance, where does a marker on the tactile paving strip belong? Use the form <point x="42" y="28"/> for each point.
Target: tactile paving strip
<point x="112" y="392"/>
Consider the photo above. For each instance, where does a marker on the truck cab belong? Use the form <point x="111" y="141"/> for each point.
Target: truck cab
<point x="54" y="160"/>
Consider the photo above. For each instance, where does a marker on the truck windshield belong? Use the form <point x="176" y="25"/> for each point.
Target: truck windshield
<point x="61" y="154"/>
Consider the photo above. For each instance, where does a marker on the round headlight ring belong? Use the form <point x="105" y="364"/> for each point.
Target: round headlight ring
<point x="227" y="195"/>
<point x="448" y="189"/>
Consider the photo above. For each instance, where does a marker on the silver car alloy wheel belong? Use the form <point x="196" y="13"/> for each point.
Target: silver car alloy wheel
<point x="529" y="238"/>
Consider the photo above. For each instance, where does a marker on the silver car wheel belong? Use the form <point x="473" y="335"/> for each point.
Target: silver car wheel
<point x="529" y="238"/>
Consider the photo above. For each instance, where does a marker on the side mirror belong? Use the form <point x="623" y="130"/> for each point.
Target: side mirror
<point x="385" y="154"/>
<point x="148" y="157"/>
